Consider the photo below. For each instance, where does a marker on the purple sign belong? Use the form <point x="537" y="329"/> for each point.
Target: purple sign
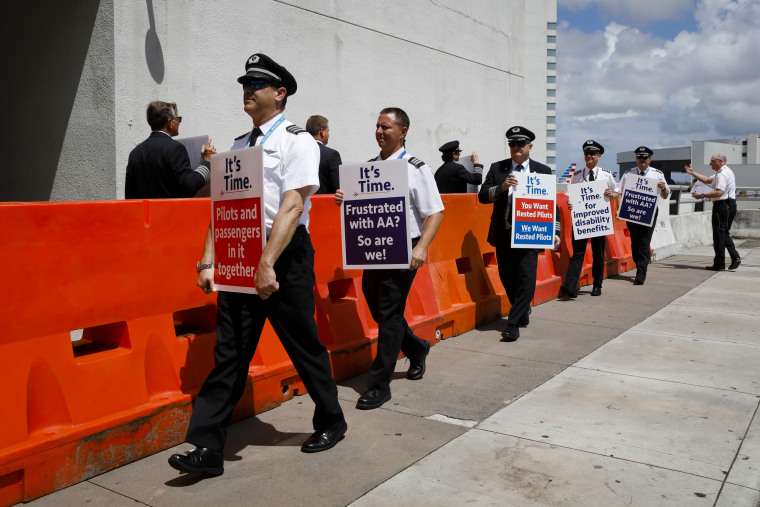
<point x="375" y="231"/>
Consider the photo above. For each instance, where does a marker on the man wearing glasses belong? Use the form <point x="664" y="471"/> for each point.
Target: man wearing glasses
<point x="159" y="167"/>
<point x="592" y="152"/>
<point x="723" y="197"/>
<point x="284" y="281"/>
<point x="517" y="266"/>
<point x="641" y="235"/>
<point x="452" y="177"/>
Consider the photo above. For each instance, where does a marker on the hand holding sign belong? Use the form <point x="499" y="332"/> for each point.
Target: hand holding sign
<point x="533" y="210"/>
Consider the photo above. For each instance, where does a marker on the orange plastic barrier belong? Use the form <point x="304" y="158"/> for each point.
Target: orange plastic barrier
<point x="465" y="271"/>
<point x="463" y="267"/>
<point x="123" y="272"/>
<point x="618" y="253"/>
<point x="343" y="318"/>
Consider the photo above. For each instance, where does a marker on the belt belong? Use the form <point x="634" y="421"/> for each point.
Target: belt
<point x="299" y="240"/>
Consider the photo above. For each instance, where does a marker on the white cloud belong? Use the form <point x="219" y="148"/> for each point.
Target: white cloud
<point x="625" y="87"/>
<point x="636" y="12"/>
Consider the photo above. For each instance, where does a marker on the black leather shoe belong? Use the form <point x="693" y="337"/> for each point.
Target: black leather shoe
<point x="735" y="264"/>
<point x="511" y="334"/>
<point x="566" y="292"/>
<point x="596" y="291"/>
<point x="638" y="281"/>
<point x="713" y="268"/>
<point x="374" y="398"/>
<point x="417" y="366"/>
<point x="526" y="320"/>
<point x="200" y="460"/>
<point x="323" y="440"/>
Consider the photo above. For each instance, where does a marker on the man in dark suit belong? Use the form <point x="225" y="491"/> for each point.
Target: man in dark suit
<point x="159" y="167"/>
<point x="517" y="266"/>
<point x="452" y="177"/>
<point x="329" y="159"/>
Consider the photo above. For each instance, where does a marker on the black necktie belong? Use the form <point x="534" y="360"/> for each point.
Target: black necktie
<point x="591" y="175"/>
<point x="507" y="213"/>
<point x="641" y="173"/>
<point x="255" y="133"/>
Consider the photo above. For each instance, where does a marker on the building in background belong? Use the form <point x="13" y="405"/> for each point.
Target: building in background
<point x="79" y="87"/>
<point x="540" y="106"/>
<point x="742" y="156"/>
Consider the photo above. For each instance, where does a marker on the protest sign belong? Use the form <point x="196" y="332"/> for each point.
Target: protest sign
<point x="591" y="214"/>
<point x="237" y="221"/>
<point x="373" y="215"/>
<point x="533" y="208"/>
<point x="639" y="201"/>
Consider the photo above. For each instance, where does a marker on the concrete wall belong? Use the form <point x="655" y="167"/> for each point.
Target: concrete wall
<point x="746" y="224"/>
<point x="457" y="67"/>
<point x="58" y="108"/>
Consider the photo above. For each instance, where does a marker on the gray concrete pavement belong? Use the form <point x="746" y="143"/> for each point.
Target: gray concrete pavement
<point x="645" y="396"/>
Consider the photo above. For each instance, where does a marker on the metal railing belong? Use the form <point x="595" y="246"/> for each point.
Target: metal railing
<point x="680" y="195"/>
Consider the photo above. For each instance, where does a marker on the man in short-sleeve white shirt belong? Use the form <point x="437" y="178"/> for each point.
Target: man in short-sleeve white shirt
<point x="641" y="235"/>
<point x="284" y="280"/>
<point x="723" y="197"/>
<point x="386" y="290"/>
<point x="592" y="152"/>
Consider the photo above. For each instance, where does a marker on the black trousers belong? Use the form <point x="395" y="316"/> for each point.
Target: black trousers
<point x="598" y="247"/>
<point x="240" y="320"/>
<point x="641" y="237"/>
<point x="386" y="291"/>
<point x="723" y="214"/>
<point x="517" y="272"/>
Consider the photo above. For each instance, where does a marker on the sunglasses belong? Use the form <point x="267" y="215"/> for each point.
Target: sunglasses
<point x="642" y="157"/>
<point x="519" y="143"/>
<point x="257" y="84"/>
<point x="178" y="119"/>
<point x="592" y="153"/>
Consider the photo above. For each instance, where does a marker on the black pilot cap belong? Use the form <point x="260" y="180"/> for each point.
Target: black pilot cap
<point x="643" y="150"/>
<point x="517" y="132"/>
<point x="450" y="146"/>
<point x="592" y="145"/>
<point x="260" y="66"/>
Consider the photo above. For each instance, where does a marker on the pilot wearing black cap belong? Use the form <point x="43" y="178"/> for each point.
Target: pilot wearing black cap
<point x="592" y="152"/>
<point x="284" y="281"/>
<point x="517" y="266"/>
<point x="451" y="177"/>
<point x="641" y="235"/>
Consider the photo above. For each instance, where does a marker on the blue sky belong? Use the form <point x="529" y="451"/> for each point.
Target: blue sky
<point x="655" y="72"/>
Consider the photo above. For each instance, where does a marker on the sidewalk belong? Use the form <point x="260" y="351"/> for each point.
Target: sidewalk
<point x="647" y="399"/>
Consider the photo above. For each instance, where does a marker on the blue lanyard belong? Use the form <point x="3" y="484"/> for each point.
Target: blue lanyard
<point x="269" y="133"/>
<point x="402" y="154"/>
